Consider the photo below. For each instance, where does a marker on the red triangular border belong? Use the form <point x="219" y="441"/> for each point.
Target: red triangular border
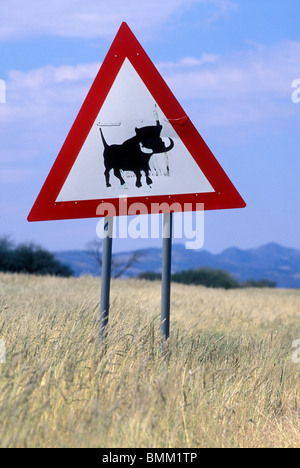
<point x="125" y="45"/>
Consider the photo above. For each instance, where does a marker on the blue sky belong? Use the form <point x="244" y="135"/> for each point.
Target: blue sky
<point x="230" y="63"/>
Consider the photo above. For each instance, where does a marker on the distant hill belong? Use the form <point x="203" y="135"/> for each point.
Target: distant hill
<point x="271" y="261"/>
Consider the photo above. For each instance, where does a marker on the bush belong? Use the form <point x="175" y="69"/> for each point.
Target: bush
<point x="6" y="247"/>
<point x="207" y="277"/>
<point x="150" y="276"/>
<point x="210" y="278"/>
<point x="263" y="283"/>
<point x="29" y="258"/>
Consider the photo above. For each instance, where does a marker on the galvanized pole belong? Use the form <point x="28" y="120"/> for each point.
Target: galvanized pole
<point x="166" y="277"/>
<point x="106" y="274"/>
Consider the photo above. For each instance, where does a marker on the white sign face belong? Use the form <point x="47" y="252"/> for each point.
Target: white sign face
<point x="132" y="150"/>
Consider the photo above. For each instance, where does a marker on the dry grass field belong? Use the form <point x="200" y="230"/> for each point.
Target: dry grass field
<point x="227" y="380"/>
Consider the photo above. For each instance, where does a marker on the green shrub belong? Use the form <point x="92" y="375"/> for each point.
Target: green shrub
<point x="263" y="283"/>
<point x="208" y="277"/>
<point x="150" y="276"/>
<point x="29" y="258"/>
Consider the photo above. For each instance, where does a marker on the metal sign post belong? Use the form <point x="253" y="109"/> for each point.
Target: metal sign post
<point x="129" y="88"/>
<point x="106" y="274"/>
<point x="166" y="277"/>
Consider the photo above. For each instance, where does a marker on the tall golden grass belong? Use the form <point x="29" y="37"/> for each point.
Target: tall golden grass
<point x="226" y="380"/>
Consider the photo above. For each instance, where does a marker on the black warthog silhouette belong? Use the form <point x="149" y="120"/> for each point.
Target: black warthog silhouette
<point x="134" y="154"/>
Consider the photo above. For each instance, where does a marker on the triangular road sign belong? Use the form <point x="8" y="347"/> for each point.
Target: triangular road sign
<point x="132" y="139"/>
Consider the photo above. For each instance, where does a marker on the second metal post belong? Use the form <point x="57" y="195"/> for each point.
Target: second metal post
<point x="166" y="276"/>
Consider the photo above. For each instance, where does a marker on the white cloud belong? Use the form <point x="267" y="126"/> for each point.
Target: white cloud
<point x="267" y="70"/>
<point x="50" y="75"/>
<point x="249" y="86"/>
<point x="259" y="74"/>
<point x="93" y="18"/>
<point x="222" y="9"/>
<point x="240" y="89"/>
<point x="188" y="62"/>
<point x="44" y="91"/>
